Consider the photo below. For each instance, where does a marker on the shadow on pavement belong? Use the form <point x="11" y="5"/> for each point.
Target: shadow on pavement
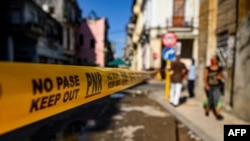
<point x="93" y="116"/>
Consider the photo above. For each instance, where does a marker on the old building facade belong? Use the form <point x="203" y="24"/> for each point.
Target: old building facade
<point x="153" y="19"/>
<point x="241" y="85"/>
<point x="223" y="26"/>
<point x="32" y="35"/>
<point x="206" y="39"/>
<point x="95" y="48"/>
<point x="68" y="13"/>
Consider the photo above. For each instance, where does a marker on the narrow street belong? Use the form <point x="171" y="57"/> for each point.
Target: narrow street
<point x="138" y="118"/>
<point x="70" y="70"/>
<point x="141" y="119"/>
<point x="130" y="115"/>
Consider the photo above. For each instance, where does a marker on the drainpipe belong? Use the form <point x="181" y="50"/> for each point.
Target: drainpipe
<point x="234" y="54"/>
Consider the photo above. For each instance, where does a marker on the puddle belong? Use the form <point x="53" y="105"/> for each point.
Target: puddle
<point x="117" y="95"/>
<point x="148" y="110"/>
<point x="117" y="117"/>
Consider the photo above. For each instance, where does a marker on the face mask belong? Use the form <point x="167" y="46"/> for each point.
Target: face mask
<point x="213" y="61"/>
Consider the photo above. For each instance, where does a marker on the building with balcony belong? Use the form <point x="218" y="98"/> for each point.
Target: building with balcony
<point x="152" y="19"/>
<point x="68" y="13"/>
<point x="32" y="35"/>
<point x="178" y="16"/>
<point x="134" y="29"/>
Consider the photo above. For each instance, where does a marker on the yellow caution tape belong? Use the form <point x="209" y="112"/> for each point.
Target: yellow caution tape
<point x="31" y="92"/>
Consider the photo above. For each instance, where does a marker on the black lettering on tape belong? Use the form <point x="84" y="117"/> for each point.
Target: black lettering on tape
<point x="77" y="80"/>
<point x="44" y="102"/>
<point x="41" y="85"/>
<point x="111" y="84"/>
<point x="59" y="81"/>
<point x="37" y="86"/>
<point x="117" y="82"/>
<point x="109" y="77"/>
<point x="71" y="80"/>
<point x="48" y="84"/>
<point x="124" y="78"/>
<point x="67" y="82"/>
<point x="94" y="81"/>
<point x="53" y="99"/>
<point x="34" y="105"/>
<point x="89" y="82"/>
<point x="113" y="80"/>
<point x="70" y="95"/>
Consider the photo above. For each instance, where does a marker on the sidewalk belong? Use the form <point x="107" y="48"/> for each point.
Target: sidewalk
<point x="191" y="113"/>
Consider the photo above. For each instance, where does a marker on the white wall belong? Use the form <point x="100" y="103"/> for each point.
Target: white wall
<point x="158" y="12"/>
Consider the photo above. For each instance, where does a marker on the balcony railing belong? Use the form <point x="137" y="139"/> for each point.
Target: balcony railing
<point x="179" y="22"/>
<point x="27" y="27"/>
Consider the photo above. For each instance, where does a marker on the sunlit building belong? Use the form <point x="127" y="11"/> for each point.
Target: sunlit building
<point x="95" y="49"/>
<point x="224" y="26"/>
<point x="153" y="20"/>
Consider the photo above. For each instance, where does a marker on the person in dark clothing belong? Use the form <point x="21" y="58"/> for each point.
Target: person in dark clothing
<point x="179" y="72"/>
<point x="212" y="81"/>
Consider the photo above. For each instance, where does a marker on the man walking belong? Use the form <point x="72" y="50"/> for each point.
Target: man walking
<point x="179" y="71"/>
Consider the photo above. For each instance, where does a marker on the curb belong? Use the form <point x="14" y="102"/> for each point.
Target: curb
<point x="201" y="133"/>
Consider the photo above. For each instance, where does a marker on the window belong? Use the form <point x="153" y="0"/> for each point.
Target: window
<point x="43" y="59"/>
<point x="179" y="7"/>
<point x="68" y="39"/>
<point x="222" y="47"/>
<point x="16" y="16"/>
<point x="51" y="9"/>
<point x="81" y="40"/>
<point x="33" y="17"/>
<point x="187" y="48"/>
<point x="85" y="60"/>
<point x="92" y="43"/>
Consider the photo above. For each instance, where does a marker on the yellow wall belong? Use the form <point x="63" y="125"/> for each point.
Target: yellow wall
<point x="244" y="7"/>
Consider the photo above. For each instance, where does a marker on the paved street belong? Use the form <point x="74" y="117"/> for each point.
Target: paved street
<point x="139" y="118"/>
<point x="130" y="115"/>
<point x="140" y="113"/>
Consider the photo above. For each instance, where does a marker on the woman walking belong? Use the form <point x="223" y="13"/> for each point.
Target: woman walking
<point x="213" y="76"/>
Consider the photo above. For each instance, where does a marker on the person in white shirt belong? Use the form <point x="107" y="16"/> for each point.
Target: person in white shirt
<point x="191" y="79"/>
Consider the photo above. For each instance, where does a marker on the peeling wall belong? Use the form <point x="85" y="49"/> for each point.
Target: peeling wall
<point x="242" y="71"/>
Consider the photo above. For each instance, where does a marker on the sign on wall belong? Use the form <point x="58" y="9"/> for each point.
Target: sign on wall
<point x="169" y="39"/>
<point x="169" y="54"/>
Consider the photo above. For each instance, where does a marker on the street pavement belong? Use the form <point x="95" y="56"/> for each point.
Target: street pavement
<point x="138" y="113"/>
<point x="191" y="113"/>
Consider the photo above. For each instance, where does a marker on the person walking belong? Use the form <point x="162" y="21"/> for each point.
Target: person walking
<point x="179" y="71"/>
<point x="191" y="79"/>
<point x="213" y="75"/>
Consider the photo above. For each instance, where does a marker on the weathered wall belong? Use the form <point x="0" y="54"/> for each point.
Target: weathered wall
<point x="226" y="27"/>
<point x="202" y="43"/>
<point x="226" y="16"/>
<point x="241" y="95"/>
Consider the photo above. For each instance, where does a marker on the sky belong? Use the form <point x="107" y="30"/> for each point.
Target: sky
<point x="117" y="12"/>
